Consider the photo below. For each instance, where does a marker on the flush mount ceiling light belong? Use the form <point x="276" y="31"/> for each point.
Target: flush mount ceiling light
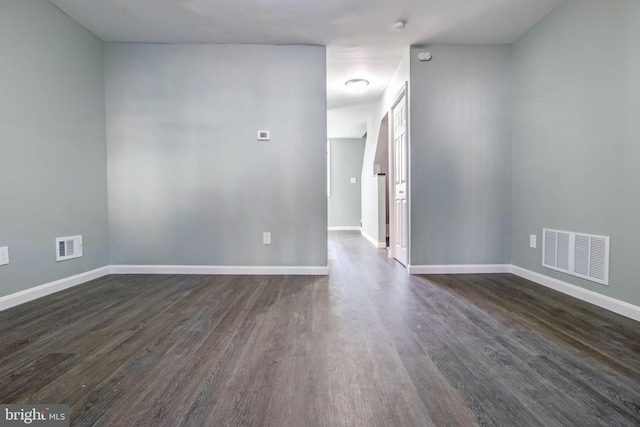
<point x="399" y="26"/>
<point x="357" y="85"/>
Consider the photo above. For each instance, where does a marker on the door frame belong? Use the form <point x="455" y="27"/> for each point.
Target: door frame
<point x="391" y="190"/>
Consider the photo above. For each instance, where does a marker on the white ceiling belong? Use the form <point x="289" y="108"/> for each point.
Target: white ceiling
<point x="358" y="33"/>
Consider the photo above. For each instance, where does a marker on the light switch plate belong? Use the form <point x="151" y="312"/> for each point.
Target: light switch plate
<point x="533" y="241"/>
<point x="4" y="255"/>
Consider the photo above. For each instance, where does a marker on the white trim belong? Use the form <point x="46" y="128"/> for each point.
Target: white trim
<point x="608" y="303"/>
<point x="379" y="245"/>
<point x="219" y="270"/>
<point x="328" y="159"/>
<point x="404" y="92"/>
<point x="31" y="294"/>
<point x="617" y="306"/>
<point x="344" y="228"/>
<point x="459" y="269"/>
<point x="620" y="307"/>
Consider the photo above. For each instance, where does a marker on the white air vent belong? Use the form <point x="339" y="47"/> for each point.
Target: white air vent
<point x="68" y="248"/>
<point x="579" y="254"/>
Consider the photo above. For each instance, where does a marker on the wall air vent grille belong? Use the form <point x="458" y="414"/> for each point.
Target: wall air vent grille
<point x="550" y="247"/>
<point x="68" y="248"/>
<point x="579" y="254"/>
<point x="563" y="251"/>
<point x="581" y="258"/>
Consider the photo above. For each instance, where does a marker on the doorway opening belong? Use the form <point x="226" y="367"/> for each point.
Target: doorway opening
<point x="381" y="168"/>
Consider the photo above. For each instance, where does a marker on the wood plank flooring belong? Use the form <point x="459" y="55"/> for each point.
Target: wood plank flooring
<point x="366" y="346"/>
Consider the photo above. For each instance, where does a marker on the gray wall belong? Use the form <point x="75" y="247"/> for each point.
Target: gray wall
<point x="52" y="144"/>
<point x="189" y="184"/>
<point x="460" y="143"/>
<point x="576" y="136"/>
<point x="346" y="162"/>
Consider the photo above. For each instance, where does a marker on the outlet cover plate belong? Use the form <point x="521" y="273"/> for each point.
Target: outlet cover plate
<point x="266" y="238"/>
<point x="533" y="241"/>
<point x="4" y="255"/>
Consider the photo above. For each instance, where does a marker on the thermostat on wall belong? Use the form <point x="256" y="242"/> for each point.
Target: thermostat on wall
<point x="264" y="135"/>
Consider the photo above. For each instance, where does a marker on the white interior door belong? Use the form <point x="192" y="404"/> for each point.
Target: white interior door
<point x="400" y="172"/>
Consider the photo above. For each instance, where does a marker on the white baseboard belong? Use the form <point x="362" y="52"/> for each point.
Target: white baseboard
<point x="344" y="228"/>
<point x="219" y="270"/>
<point x="459" y="269"/>
<point x="31" y="294"/>
<point x="374" y="242"/>
<point x="620" y="307"/>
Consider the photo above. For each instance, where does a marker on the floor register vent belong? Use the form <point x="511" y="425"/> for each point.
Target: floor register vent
<point x="579" y="254"/>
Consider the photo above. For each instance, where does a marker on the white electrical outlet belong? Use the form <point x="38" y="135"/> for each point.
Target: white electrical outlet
<point x="353" y="180"/>
<point x="4" y="255"/>
<point x="266" y="238"/>
<point x="533" y="241"/>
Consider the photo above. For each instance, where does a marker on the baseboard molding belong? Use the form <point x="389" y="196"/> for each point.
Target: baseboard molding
<point x="374" y="242"/>
<point x="620" y="307"/>
<point x="31" y="294"/>
<point x="220" y="270"/>
<point x="459" y="269"/>
<point x="12" y="300"/>
<point x="344" y="228"/>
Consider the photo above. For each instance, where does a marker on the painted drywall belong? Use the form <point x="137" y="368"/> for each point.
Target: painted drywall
<point x="460" y="145"/>
<point x="348" y="121"/>
<point x="346" y="163"/>
<point x="575" y="144"/>
<point x="372" y="224"/>
<point x="189" y="184"/>
<point x="52" y="144"/>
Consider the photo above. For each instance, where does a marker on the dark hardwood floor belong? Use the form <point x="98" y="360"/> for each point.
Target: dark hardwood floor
<point x="367" y="346"/>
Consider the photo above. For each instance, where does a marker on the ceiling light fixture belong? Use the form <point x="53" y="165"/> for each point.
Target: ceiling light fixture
<point x="357" y="85"/>
<point x="398" y="27"/>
